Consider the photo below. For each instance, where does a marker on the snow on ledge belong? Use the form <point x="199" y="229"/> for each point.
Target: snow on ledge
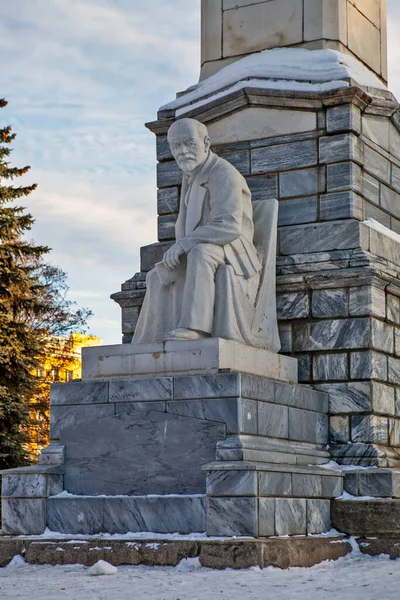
<point x="283" y="68"/>
<point x="382" y="229"/>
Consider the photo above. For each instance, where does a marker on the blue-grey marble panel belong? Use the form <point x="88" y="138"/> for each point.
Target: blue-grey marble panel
<point x="300" y="210"/>
<point x="390" y="200"/>
<point x="248" y="416"/>
<point x="382" y="336"/>
<point x="264" y="187"/>
<point x="207" y="386"/>
<point x="140" y="390"/>
<point x="318" y="516"/>
<point x="67" y="416"/>
<point x="266" y="517"/>
<point x="307" y="485"/>
<point x="284" y="156"/>
<point x="332" y="487"/>
<point x="350" y="483"/>
<point x="340" y="334"/>
<point x="222" y="410"/>
<point x="369" y="429"/>
<point x="300" y="396"/>
<point x="304" y="367"/>
<point x="300" y="239"/>
<point x="322" y="429"/>
<point x="348" y="397"/>
<point x="343" y="176"/>
<point x="339" y="148"/>
<point x="328" y="367"/>
<point x="345" y="117"/>
<point x="160" y="514"/>
<point x="339" y="429"/>
<point x="274" y="484"/>
<point x="330" y="303"/>
<point x="168" y="174"/>
<point x="341" y="205"/>
<point x="393" y="308"/>
<point x="292" y="306"/>
<point x="377" y="484"/>
<point x="290" y="516"/>
<point x="166" y="227"/>
<point x="231" y="483"/>
<point x="239" y="159"/>
<point x="163" y="149"/>
<point x="394" y="370"/>
<point x="231" y="516"/>
<point x="273" y="420"/>
<point x="25" y="486"/>
<point x="79" y="392"/>
<point x="23" y="516"/>
<point x="368" y="365"/>
<point x="122" y="407"/>
<point x="168" y="201"/>
<point x="140" y="452"/>
<point x="75" y="515"/>
<point x="302" y="425"/>
<point x="152" y="254"/>
<point x="257" y="388"/>
<point x="303" y="182"/>
<point x="371" y="188"/>
<point x="372" y="212"/>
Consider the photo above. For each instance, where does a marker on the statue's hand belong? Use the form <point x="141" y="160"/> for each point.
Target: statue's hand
<point x="171" y="257"/>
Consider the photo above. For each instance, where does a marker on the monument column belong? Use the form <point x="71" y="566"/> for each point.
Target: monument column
<point x="231" y="29"/>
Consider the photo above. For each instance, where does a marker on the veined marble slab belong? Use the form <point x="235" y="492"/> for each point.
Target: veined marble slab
<point x="185" y="357"/>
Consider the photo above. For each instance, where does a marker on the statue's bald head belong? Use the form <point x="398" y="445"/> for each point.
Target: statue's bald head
<point x="190" y="144"/>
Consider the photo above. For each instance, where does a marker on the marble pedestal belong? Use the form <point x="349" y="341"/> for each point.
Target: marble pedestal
<point x="229" y="453"/>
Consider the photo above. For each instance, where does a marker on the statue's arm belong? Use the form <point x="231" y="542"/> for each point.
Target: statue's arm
<point x="226" y="203"/>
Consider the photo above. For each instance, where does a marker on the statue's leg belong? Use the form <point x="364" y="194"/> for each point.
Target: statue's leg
<point x="199" y="292"/>
<point x="161" y="308"/>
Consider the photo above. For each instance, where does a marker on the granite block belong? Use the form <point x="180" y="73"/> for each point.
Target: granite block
<point x="371" y="188"/>
<point x="377" y="483"/>
<point x="266" y="517"/>
<point x="62" y="417"/>
<point x="368" y="365"/>
<point x="139" y="452"/>
<point x="334" y="335"/>
<point x="161" y="514"/>
<point x="306" y="485"/>
<point x="369" y="429"/>
<point x="79" y="392"/>
<point x="348" y="397"/>
<point x="300" y="396"/>
<point x="273" y="420"/>
<point x="75" y="515"/>
<point x="340" y="235"/>
<point x="339" y="148"/>
<point x="290" y="516"/>
<point x="231" y="516"/>
<point x="341" y="205"/>
<point x="328" y="367"/>
<point x="304" y="182"/>
<point x="383" y="401"/>
<point x="393" y="308"/>
<point x="382" y="337"/>
<point x="140" y="390"/>
<point x="343" y="176"/>
<point x="318" y="516"/>
<point x="292" y="306"/>
<point x="274" y="484"/>
<point x="330" y="303"/>
<point x="166" y="227"/>
<point x="263" y="187"/>
<point x="231" y="483"/>
<point x="339" y="429"/>
<point x="207" y="386"/>
<point x="302" y="425"/>
<point x="332" y="486"/>
<point x="367" y="300"/>
<point x="345" y="117"/>
<point x="23" y="516"/>
<point x="284" y="156"/>
<point x="376" y="164"/>
<point x="168" y="174"/>
<point x="257" y="388"/>
<point x="123" y="407"/>
<point x="222" y="410"/>
<point x="248" y="416"/>
<point x="168" y="201"/>
<point x="295" y="212"/>
<point x="394" y="370"/>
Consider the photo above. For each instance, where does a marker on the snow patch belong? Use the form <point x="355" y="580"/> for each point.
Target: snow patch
<point x="382" y="229"/>
<point x="102" y="567"/>
<point x="188" y="564"/>
<point x="16" y="562"/>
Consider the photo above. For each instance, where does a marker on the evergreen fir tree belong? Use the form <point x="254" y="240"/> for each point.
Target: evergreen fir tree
<point x="21" y="296"/>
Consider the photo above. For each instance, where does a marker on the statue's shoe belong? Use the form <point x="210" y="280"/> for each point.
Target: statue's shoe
<point x="181" y="333"/>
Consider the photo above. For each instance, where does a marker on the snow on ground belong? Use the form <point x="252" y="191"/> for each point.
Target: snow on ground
<point x="354" y="577"/>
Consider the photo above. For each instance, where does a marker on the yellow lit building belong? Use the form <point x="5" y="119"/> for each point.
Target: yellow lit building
<point x="63" y="363"/>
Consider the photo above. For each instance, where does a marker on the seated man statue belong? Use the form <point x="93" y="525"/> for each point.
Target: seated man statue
<point x="208" y="281"/>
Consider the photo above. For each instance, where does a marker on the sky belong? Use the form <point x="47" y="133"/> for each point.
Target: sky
<point x="82" y="77"/>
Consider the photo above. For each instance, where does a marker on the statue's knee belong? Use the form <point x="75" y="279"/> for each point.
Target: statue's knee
<point x="199" y="252"/>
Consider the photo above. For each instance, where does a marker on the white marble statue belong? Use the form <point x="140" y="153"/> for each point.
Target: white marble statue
<point x="215" y="280"/>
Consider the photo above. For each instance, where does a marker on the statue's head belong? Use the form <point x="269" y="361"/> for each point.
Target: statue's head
<point x="190" y="144"/>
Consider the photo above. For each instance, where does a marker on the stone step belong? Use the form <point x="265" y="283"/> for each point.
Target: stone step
<point x="367" y="517"/>
<point x="123" y="514"/>
<point x="379" y="483"/>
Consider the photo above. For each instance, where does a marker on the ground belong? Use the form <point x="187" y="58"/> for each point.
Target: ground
<point x="355" y="577"/>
